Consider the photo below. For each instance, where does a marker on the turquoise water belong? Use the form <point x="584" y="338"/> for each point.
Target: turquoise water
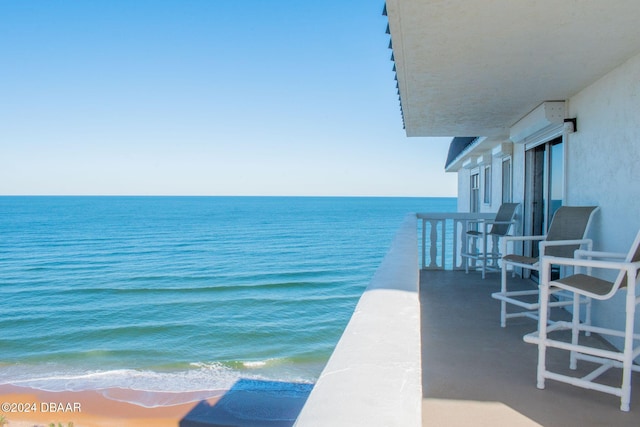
<point x="184" y="294"/>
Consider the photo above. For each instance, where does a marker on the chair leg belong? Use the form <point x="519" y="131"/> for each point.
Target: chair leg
<point x="575" y="332"/>
<point x="503" y="289"/>
<point x="495" y="251"/>
<point x="587" y="319"/>
<point x="542" y="328"/>
<point x="484" y="254"/>
<point x="625" y="397"/>
<point x="466" y="259"/>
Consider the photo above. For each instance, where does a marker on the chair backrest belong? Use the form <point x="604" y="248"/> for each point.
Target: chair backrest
<point x="505" y="214"/>
<point x="632" y="256"/>
<point x="569" y="223"/>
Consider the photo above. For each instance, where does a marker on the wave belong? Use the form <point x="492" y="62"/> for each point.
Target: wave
<point x="182" y="383"/>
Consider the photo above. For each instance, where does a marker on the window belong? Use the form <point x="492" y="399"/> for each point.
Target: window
<point x="487" y="186"/>
<point x="475" y="193"/>
<point x="506" y="180"/>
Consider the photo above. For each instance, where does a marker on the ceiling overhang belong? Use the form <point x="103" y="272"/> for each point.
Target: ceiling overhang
<point x="476" y="67"/>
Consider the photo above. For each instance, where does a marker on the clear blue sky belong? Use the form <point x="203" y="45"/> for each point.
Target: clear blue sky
<point x="206" y="97"/>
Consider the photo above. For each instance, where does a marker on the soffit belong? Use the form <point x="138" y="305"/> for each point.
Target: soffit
<point x="476" y="67"/>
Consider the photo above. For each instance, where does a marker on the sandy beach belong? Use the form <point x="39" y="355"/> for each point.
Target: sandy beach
<point x="25" y="407"/>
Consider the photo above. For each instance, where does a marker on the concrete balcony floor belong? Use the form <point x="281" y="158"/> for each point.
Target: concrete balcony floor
<point x="475" y="373"/>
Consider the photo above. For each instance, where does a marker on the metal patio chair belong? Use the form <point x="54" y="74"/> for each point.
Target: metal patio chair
<point x="587" y="285"/>
<point x="477" y="241"/>
<point x="566" y="234"/>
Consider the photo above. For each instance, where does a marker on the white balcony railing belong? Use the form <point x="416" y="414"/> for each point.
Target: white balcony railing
<point x="443" y="235"/>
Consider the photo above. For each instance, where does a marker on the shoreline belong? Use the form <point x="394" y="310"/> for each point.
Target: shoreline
<point x="28" y="407"/>
<point x="265" y="403"/>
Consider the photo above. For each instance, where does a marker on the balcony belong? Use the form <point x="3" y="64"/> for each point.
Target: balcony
<point x="441" y="325"/>
<point x="476" y="373"/>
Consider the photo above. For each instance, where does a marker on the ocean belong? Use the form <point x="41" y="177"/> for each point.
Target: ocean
<point x="184" y="295"/>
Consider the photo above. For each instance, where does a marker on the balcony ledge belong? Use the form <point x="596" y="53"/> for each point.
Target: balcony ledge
<point x="374" y="375"/>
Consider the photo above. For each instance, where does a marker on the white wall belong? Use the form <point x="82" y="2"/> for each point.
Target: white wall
<point x="463" y="190"/>
<point x="518" y="176"/>
<point x="603" y="165"/>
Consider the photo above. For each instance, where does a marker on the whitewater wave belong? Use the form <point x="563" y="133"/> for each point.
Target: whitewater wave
<point x="152" y="388"/>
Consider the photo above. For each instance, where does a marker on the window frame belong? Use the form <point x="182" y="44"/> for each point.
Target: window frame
<point x="474" y="191"/>
<point x="486" y="185"/>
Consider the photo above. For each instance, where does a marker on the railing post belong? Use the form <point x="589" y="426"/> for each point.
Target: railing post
<point x="444" y="243"/>
<point x="424" y="243"/>
<point x="463" y="240"/>
<point x="454" y="240"/>
<point x="433" y="252"/>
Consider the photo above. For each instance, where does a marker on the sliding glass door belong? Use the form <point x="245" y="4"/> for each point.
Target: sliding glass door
<point x="544" y="182"/>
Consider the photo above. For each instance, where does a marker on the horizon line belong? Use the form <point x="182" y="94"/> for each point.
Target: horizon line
<point x="226" y="195"/>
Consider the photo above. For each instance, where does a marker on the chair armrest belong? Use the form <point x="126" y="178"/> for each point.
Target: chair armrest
<point x="565" y="242"/>
<point x="523" y="238"/>
<point x="582" y="253"/>
<point x="579" y="262"/>
<point x="477" y="221"/>
<point x="499" y="222"/>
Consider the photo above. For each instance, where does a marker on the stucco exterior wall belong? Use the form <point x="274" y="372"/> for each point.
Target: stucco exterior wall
<point x="603" y="160"/>
<point x="463" y="190"/>
<point x="518" y="175"/>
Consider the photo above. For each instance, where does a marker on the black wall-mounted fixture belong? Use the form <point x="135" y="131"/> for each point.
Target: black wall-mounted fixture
<point x="571" y="125"/>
